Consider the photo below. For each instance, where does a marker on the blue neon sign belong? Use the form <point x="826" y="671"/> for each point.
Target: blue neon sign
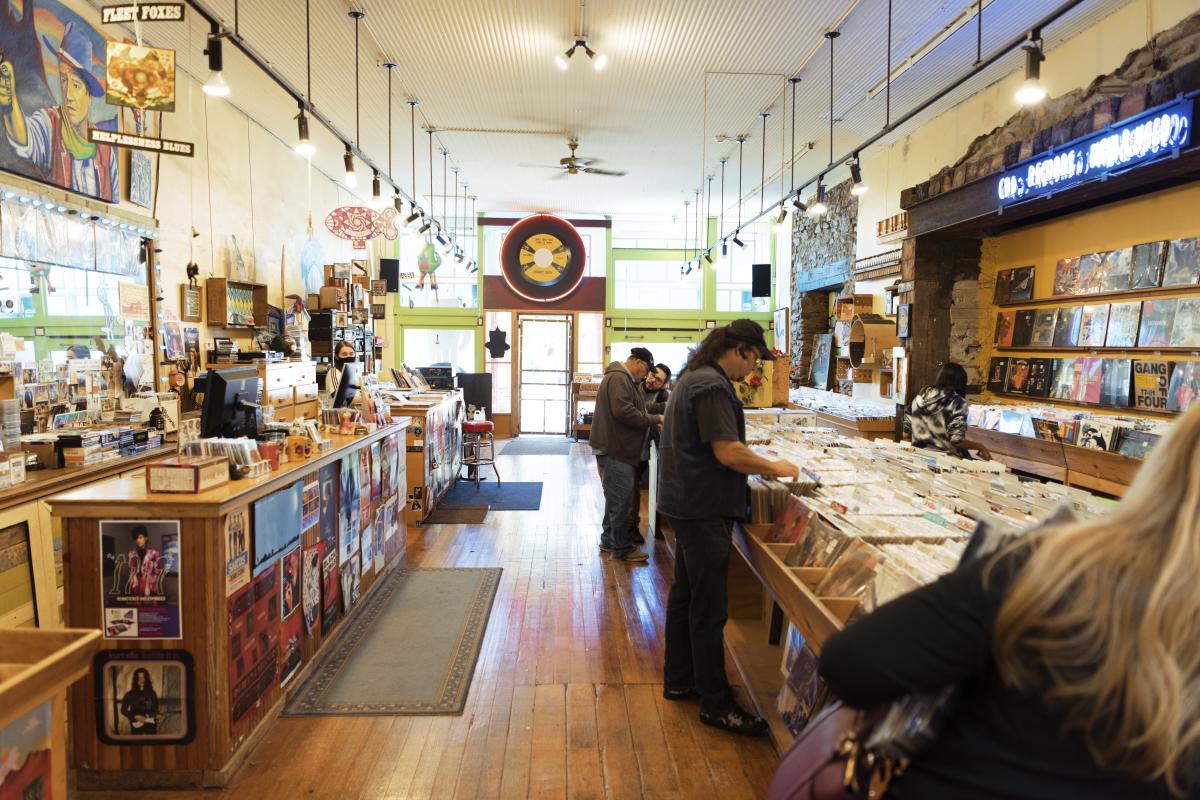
<point x="1135" y="141"/>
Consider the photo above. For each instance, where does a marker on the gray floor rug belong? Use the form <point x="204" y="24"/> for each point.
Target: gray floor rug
<point x="510" y="496"/>
<point x="537" y="446"/>
<point x="411" y="651"/>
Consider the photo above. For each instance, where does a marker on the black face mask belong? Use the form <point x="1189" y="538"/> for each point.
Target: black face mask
<point x="341" y="362"/>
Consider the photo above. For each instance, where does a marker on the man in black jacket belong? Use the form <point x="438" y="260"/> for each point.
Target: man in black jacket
<point x="656" y="395"/>
<point x="619" y="431"/>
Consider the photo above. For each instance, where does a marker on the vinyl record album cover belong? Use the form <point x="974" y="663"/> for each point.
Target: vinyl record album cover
<point x="1018" y="376"/>
<point x="1115" y="380"/>
<point x="1185" y="386"/>
<point x="1147" y="265"/>
<point x="1079" y="379"/>
<point x="1090" y="276"/>
<point x="1006" y="321"/>
<point x="1003" y="282"/>
<point x="1123" y="319"/>
<point x="1046" y="429"/>
<point x="1093" y="377"/>
<point x="853" y="572"/>
<point x="1041" y="374"/>
<point x="1066" y="326"/>
<point x="1094" y="327"/>
<point x="1043" y="327"/>
<point x="1136" y="444"/>
<point x="996" y="374"/>
<point x="1023" y="329"/>
<point x="1185" y="332"/>
<point x="1158" y="316"/>
<point x="1020" y="284"/>
<point x="1096" y="434"/>
<point x="1061" y="388"/>
<point x="1066" y="277"/>
<point x="1116" y="267"/>
<point x="1151" y="383"/>
<point x="1183" y="263"/>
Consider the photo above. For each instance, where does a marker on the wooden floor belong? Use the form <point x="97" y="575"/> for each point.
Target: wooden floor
<point x="567" y="695"/>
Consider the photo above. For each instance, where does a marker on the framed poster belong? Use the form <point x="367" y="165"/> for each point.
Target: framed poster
<point x="140" y="579"/>
<point x="144" y="697"/>
<point x="141" y="178"/>
<point x="191" y="301"/>
<point x="782" y="329"/>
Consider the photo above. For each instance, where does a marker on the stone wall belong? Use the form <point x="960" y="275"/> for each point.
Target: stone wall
<point x="1168" y="65"/>
<point x="822" y="256"/>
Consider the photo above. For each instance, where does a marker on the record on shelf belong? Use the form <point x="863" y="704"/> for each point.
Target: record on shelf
<point x="1158" y="317"/>
<point x="1116" y="268"/>
<point x="1184" y="387"/>
<point x="1094" y="326"/>
<point x="1151" y="384"/>
<point x="1183" y="263"/>
<point x="1023" y="329"/>
<point x="1066" y="326"/>
<point x="1005" y="323"/>
<point x="1115" y="382"/>
<point x="1123" y="319"/>
<point x="1185" y="329"/>
<point x="1043" y="327"/>
<point x="1147" y="265"/>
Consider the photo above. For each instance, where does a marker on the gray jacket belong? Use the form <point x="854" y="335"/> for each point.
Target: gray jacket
<point x="620" y="424"/>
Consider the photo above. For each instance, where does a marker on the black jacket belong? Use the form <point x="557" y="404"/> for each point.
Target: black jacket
<point x="620" y="424"/>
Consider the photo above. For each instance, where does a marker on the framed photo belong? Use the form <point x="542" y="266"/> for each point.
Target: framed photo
<point x="144" y="697"/>
<point x="191" y="303"/>
<point x="903" y="320"/>
<point x="141" y="178"/>
<point x="781" y="328"/>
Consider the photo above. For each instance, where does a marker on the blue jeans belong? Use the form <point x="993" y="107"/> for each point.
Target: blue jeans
<point x="617" y="478"/>
<point x="697" y="607"/>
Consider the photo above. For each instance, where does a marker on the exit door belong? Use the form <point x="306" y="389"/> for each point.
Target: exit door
<point x="544" y="373"/>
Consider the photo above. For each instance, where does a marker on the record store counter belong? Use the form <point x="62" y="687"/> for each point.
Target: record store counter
<point x="214" y="605"/>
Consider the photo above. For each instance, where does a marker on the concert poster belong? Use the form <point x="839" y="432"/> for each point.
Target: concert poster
<point x="140" y="579"/>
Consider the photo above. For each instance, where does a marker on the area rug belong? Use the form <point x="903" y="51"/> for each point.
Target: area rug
<point x="412" y="650"/>
<point x="537" y="446"/>
<point x="501" y="497"/>
<point x="467" y="515"/>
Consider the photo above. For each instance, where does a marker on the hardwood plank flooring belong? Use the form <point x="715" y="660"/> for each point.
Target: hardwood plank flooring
<point x="566" y="698"/>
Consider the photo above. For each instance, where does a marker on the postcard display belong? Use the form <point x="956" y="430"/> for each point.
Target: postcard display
<point x="177" y="680"/>
<point x="866" y="522"/>
<point x="1119" y="331"/>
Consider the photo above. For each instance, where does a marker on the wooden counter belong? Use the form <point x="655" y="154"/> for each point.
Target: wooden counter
<point x="434" y="448"/>
<point x="45" y="482"/>
<point x="237" y="663"/>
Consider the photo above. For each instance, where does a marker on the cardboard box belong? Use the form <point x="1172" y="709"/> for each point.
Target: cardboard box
<point x="332" y="297"/>
<point x="187" y="474"/>
<point x="46" y="452"/>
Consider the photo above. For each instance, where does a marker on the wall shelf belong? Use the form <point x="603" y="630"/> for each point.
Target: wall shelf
<point x="230" y="302"/>
<point x="1097" y="297"/>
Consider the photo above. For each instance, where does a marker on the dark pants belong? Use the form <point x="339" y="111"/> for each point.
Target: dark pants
<point x="616" y="478"/>
<point x="635" y="508"/>
<point x="697" y="608"/>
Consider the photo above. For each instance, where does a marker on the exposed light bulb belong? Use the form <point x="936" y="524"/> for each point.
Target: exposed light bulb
<point x="304" y="146"/>
<point x="600" y="62"/>
<point x="561" y="61"/>
<point x="1031" y="92"/>
<point x="818" y="209"/>
<point x="216" y="86"/>
<point x="351" y="180"/>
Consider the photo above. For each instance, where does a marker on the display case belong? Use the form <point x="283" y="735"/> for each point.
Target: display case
<point x="584" y="389"/>
<point x="434" y="448"/>
<point x="217" y="634"/>
<point x="236" y="304"/>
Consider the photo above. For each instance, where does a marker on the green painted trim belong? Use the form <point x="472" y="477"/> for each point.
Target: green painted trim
<point x="648" y="254"/>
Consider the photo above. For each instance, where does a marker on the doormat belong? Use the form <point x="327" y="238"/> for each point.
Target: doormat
<point x="505" y="496"/>
<point x="393" y="661"/>
<point x="537" y="446"/>
<point x="466" y="515"/>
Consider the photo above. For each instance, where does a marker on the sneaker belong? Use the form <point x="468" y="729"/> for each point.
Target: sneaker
<point x="632" y="556"/>
<point x="605" y="548"/>
<point x="680" y="694"/>
<point x="736" y="720"/>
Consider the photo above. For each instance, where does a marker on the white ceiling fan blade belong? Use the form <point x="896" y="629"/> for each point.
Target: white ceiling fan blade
<point x="540" y="166"/>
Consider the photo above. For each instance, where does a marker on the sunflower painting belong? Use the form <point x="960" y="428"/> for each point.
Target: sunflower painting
<point x="140" y="77"/>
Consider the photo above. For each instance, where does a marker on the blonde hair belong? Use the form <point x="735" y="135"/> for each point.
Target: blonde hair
<point x="1104" y="620"/>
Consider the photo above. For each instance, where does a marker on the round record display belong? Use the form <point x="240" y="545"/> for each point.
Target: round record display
<point x="542" y="258"/>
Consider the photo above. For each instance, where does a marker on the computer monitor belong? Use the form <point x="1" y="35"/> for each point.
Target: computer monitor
<point x="230" y="403"/>
<point x="348" y="386"/>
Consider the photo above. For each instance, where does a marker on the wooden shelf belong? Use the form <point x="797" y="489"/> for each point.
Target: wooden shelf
<point x="1129" y="410"/>
<point x="216" y="293"/>
<point x="1076" y="352"/>
<point x="1124" y="294"/>
<point x="1086" y="467"/>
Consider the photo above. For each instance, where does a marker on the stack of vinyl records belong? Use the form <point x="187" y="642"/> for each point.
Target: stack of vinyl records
<point x="10" y="425"/>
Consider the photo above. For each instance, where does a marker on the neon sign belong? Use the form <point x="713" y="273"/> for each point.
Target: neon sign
<point x="1144" y="138"/>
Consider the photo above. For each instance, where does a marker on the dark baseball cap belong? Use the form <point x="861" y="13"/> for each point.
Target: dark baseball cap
<point x="643" y="355"/>
<point x="747" y="331"/>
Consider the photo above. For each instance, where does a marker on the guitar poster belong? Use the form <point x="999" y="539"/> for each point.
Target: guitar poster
<point x="140" y="579"/>
<point x="253" y="646"/>
<point x="144" y="697"/>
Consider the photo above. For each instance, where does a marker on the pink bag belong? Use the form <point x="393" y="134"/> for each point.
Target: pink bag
<point x="828" y="761"/>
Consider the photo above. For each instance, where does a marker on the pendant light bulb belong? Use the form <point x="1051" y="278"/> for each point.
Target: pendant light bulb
<point x="304" y="145"/>
<point x="599" y="62"/>
<point x="376" y="193"/>
<point x="819" y="209"/>
<point x="562" y="60"/>
<point x="215" y="86"/>
<point x="859" y="187"/>
<point x="398" y="203"/>
<point x="1031" y="90"/>
<point x="351" y="180"/>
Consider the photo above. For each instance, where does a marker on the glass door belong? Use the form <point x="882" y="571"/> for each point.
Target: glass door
<point x="544" y="373"/>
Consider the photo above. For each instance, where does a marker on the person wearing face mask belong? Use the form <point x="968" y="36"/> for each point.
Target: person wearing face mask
<point x="701" y="491"/>
<point x="343" y="354"/>
<point x="656" y="393"/>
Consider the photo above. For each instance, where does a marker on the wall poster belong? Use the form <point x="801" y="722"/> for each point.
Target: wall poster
<point x="140" y="579"/>
<point x="144" y="697"/>
<point x="237" y="549"/>
<point x="348" y="524"/>
<point x="311" y="585"/>
<point x="253" y="645"/>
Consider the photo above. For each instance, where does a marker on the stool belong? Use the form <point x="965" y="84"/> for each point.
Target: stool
<point x="479" y="449"/>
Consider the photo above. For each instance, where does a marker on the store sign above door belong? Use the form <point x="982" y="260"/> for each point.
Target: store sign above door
<point x="1150" y="135"/>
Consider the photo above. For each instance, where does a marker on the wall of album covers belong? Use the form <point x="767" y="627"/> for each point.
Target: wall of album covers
<point x="1100" y="309"/>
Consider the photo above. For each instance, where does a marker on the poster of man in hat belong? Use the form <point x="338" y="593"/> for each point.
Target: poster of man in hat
<point x="50" y="95"/>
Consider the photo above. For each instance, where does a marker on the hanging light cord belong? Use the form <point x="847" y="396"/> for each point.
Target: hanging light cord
<point x="723" y="162"/>
<point x="832" y="35"/>
<point x="762" y="175"/>
<point x="432" y="205"/>
<point x="888" y="117"/>
<point x="357" y="114"/>
<point x="412" y="133"/>
<point x="792" y="178"/>
<point x="308" y="45"/>
<point x="708" y="206"/>
<point x="741" y="147"/>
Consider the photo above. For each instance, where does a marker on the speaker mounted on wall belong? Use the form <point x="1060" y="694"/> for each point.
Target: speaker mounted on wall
<point x="760" y="280"/>
<point x="389" y="270"/>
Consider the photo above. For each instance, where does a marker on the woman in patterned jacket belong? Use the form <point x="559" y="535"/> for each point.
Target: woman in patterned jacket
<point x="937" y="416"/>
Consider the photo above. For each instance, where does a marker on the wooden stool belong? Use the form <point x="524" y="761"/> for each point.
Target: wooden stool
<point x="479" y="449"/>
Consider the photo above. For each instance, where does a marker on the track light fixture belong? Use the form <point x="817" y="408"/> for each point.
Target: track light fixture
<point x="798" y="204"/>
<point x="736" y="240"/>
<point x="350" y="179"/>
<point x="414" y="216"/>
<point x="708" y="255"/>
<point x="398" y="203"/>
<point x="1031" y="90"/>
<point x="304" y="145"/>
<point x="563" y="60"/>
<point x="819" y="209"/>
<point x="781" y="217"/>
<point x="376" y="194"/>
<point x="215" y="86"/>
<point x="859" y="187"/>
<point x="425" y="226"/>
<point x="725" y="247"/>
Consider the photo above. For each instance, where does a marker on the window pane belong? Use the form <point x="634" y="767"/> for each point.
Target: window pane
<point x="657" y="284"/>
<point x="672" y="353"/>
<point x="449" y="285"/>
<point x="735" y="270"/>
<point x="426" y="347"/>
<point x="497" y="326"/>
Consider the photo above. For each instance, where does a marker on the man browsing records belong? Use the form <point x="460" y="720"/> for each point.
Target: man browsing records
<point x="619" y="430"/>
<point x="701" y="491"/>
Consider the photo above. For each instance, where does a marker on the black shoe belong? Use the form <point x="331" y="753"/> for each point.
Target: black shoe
<point x="736" y="720"/>
<point x="605" y="549"/>
<point x="680" y="694"/>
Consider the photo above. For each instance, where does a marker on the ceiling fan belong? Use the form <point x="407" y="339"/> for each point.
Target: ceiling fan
<point x="573" y="164"/>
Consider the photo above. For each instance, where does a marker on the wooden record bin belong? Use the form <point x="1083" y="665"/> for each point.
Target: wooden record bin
<point x="219" y="742"/>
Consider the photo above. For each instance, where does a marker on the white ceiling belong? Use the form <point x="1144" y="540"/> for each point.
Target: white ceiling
<point x="680" y="72"/>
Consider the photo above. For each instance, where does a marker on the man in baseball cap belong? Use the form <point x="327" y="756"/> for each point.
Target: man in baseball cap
<point x="619" y="430"/>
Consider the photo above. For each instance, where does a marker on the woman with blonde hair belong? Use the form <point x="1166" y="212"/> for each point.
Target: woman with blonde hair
<point x="1077" y="650"/>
